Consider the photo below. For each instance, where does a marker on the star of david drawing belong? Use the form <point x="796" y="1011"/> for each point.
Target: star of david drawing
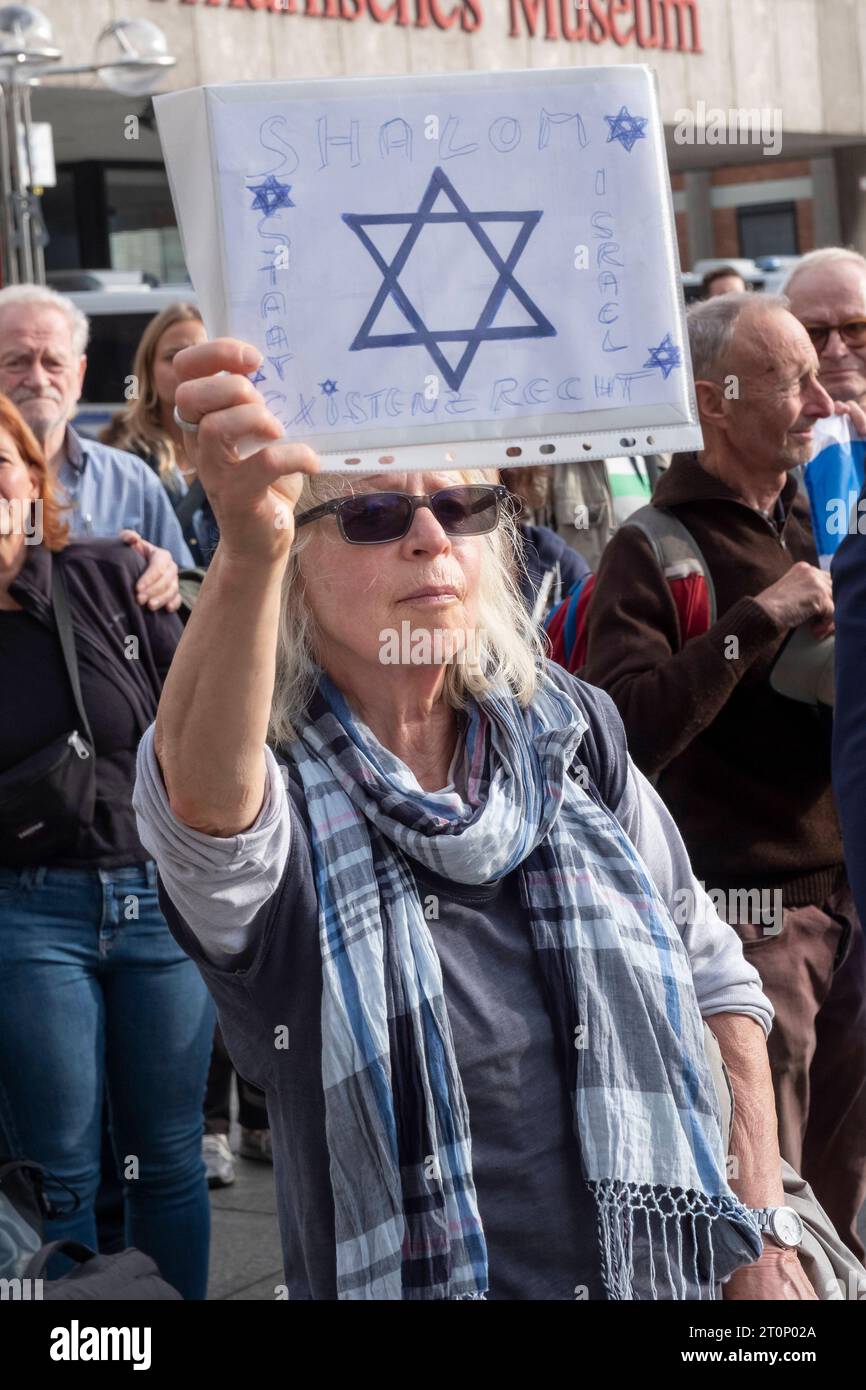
<point x="259" y="376"/>
<point x="627" y="129"/>
<point x="270" y="196"/>
<point x="666" y="356"/>
<point x="328" y="387"/>
<point x="419" y="334"/>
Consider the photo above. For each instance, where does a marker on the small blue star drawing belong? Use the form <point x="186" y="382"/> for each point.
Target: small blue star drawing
<point x="259" y="376"/>
<point x="270" y="196"/>
<point x="328" y="387"/>
<point x="627" y="129"/>
<point x="666" y="356"/>
<point x="419" y="335"/>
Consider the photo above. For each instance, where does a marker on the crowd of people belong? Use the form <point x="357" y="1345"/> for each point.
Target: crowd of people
<point x="542" y="973"/>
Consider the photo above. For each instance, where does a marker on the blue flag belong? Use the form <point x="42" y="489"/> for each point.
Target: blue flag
<point x="834" y="477"/>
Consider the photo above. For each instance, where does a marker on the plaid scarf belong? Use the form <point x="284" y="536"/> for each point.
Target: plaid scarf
<point x="619" y="989"/>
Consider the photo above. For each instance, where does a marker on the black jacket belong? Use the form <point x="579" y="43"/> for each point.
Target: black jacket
<point x="744" y="770"/>
<point x="549" y="564"/>
<point x="123" y="650"/>
<point x="849" y="724"/>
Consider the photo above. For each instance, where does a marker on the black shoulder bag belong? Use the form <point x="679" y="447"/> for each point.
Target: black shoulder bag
<point x="47" y="799"/>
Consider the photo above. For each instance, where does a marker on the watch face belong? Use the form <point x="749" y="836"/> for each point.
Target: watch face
<point x="786" y="1226"/>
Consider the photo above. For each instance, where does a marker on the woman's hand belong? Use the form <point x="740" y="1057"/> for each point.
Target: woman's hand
<point x="252" y="482"/>
<point x="158" y="586"/>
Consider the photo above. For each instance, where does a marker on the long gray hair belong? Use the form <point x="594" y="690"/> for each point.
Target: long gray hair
<point x="513" y="646"/>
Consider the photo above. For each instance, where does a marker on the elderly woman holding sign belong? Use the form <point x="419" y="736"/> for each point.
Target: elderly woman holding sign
<point x="435" y="917"/>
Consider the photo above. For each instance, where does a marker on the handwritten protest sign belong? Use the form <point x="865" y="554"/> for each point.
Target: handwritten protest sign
<point x="459" y="271"/>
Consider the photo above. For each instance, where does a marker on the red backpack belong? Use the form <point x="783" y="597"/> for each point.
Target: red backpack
<point x="680" y="560"/>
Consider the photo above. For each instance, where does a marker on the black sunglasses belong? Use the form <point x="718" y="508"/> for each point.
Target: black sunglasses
<point x="853" y="333"/>
<point x="375" y="517"/>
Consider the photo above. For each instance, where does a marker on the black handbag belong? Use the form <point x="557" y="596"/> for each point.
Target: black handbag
<point x="48" y="798"/>
<point x="23" y="1208"/>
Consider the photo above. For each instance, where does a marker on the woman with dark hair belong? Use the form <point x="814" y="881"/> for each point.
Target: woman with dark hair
<point x="96" y="996"/>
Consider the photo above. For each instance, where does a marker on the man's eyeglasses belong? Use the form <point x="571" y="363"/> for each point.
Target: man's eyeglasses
<point x="853" y="333"/>
<point x="372" y="518"/>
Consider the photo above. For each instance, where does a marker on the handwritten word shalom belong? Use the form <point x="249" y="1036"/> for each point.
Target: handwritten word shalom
<point x="345" y="143"/>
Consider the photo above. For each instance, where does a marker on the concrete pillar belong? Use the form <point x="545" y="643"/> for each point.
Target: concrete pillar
<point x="850" y="166"/>
<point x="699" y="216"/>
<point x="825" y="202"/>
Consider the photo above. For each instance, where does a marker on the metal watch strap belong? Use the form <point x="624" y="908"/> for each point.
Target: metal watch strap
<point x="763" y="1216"/>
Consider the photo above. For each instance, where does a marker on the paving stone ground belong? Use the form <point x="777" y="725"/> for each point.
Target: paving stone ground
<point x="246" y="1261"/>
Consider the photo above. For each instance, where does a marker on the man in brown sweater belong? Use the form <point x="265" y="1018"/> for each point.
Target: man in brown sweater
<point x="746" y="771"/>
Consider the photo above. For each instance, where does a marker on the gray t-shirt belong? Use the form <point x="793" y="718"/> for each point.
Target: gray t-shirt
<point x="539" y="1218"/>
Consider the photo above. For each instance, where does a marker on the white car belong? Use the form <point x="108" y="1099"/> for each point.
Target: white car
<point x="776" y="270"/>
<point x="118" y="313"/>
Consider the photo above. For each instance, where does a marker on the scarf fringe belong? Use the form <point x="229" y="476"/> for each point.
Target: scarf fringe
<point x="618" y="1204"/>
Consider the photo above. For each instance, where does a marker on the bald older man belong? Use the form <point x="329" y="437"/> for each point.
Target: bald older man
<point x="744" y="768"/>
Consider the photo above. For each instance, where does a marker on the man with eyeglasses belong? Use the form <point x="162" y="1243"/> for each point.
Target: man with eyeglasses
<point x="740" y="753"/>
<point x="827" y="293"/>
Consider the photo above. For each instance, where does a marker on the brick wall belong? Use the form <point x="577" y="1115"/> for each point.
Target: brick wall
<point x="767" y="169"/>
<point x="725" y="234"/>
<point x="806" y="224"/>
<point x="683" y="240"/>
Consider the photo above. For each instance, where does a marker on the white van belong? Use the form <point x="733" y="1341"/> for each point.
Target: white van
<point x="118" y="316"/>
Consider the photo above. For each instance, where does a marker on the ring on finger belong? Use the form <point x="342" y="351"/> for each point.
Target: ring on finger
<point x="185" y="425"/>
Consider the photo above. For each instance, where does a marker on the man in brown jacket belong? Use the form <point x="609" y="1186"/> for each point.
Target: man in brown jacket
<point x="744" y="770"/>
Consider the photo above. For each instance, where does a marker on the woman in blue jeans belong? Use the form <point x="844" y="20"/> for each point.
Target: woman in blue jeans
<point x="95" y="995"/>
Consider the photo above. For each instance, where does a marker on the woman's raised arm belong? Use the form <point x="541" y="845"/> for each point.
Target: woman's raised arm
<point x="213" y="716"/>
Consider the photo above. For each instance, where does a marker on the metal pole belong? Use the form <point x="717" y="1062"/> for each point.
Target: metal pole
<point x="36" y="223"/>
<point x="20" y="190"/>
<point x="10" y="260"/>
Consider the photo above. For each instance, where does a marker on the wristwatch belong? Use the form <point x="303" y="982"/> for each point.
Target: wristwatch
<point x="781" y="1225"/>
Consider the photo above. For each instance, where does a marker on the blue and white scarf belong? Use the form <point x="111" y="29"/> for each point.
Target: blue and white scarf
<point x="617" y="977"/>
